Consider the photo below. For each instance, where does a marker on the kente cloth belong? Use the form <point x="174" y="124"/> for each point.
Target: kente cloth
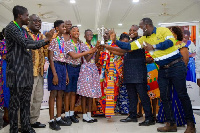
<point x="110" y="72"/>
<point x="152" y="78"/>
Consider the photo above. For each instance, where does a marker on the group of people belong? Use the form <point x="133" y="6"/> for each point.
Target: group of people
<point x="145" y="64"/>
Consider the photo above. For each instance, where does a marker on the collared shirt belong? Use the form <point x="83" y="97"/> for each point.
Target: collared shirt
<point x="162" y="40"/>
<point x="19" y="69"/>
<point x="57" y="54"/>
<point x="70" y="47"/>
<point x="38" y="55"/>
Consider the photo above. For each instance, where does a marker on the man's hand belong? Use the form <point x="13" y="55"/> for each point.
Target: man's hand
<point x="55" y="80"/>
<point x="148" y="47"/>
<point x="101" y="48"/>
<point x="50" y="34"/>
<point x="97" y="44"/>
<point x="112" y="35"/>
<point x="149" y="60"/>
<point x="198" y="82"/>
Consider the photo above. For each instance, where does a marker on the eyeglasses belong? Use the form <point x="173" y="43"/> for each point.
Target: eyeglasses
<point x="36" y="21"/>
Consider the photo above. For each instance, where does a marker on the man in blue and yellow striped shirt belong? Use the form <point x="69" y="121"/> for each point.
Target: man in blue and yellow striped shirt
<point x="161" y="45"/>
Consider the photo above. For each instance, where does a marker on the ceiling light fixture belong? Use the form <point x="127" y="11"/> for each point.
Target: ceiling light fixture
<point x="72" y="1"/>
<point x="120" y="24"/>
<point x="136" y="1"/>
<point x="79" y="25"/>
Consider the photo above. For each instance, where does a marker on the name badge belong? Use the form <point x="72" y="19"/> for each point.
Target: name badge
<point x="61" y="55"/>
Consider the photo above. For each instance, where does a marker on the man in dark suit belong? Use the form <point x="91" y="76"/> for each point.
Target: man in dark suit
<point x="20" y="68"/>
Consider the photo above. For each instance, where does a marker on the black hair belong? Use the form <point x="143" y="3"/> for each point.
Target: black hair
<point x="19" y="10"/>
<point x="87" y="30"/>
<point x="57" y="23"/>
<point x="186" y="32"/>
<point x="73" y="27"/>
<point x="177" y="30"/>
<point x="135" y="26"/>
<point x="123" y="36"/>
<point x="147" y="21"/>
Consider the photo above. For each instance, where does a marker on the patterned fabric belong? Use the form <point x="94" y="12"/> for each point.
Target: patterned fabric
<point x="20" y="98"/>
<point x="110" y="72"/>
<point x="180" y="44"/>
<point x="38" y="55"/>
<point x="6" y="90"/>
<point x="152" y="78"/>
<point x="19" y="69"/>
<point x="89" y="81"/>
<point x="191" y="73"/>
<point x="71" y="48"/>
<point x="178" y="110"/>
<point x="2" y="54"/>
<point x="122" y="106"/>
<point x="54" y="46"/>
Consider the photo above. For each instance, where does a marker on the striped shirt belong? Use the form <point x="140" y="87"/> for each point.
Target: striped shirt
<point x="19" y="69"/>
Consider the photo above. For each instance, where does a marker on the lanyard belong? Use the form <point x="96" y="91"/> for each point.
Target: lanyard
<point x="19" y="28"/>
<point x="38" y="37"/>
<point x="89" y="46"/>
<point x="61" y="48"/>
<point x="75" y="46"/>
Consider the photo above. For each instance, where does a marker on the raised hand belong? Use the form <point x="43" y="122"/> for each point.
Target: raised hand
<point x="97" y="44"/>
<point x="112" y="35"/>
<point x="49" y="35"/>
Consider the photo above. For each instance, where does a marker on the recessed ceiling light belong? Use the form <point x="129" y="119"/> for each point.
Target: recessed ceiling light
<point x="79" y="25"/>
<point x="136" y="0"/>
<point x="72" y="1"/>
<point x="120" y="24"/>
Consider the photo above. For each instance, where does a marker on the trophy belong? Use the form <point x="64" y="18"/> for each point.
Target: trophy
<point x="101" y="32"/>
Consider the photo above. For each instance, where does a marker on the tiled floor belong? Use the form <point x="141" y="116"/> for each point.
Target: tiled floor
<point x="103" y="126"/>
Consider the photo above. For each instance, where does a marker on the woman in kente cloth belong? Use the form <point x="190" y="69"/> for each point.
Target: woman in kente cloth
<point x="178" y="110"/>
<point x="111" y="70"/>
<point x="122" y="106"/>
<point x="5" y="89"/>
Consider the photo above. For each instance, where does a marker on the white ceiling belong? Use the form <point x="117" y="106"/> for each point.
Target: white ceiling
<point x="92" y="14"/>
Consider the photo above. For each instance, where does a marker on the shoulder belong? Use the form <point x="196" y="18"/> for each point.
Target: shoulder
<point x="162" y="29"/>
<point x="10" y="26"/>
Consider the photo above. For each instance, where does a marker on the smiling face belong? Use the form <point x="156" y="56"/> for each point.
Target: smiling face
<point x="133" y="31"/>
<point x="145" y="28"/>
<point x="68" y="25"/>
<point x="35" y="23"/>
<point x="75" y="33"/>
<point x="88" y="35"/>
<point x="106" y="35"/>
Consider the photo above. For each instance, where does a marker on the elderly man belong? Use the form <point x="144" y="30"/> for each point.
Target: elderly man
<point x="38" y="57"/>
